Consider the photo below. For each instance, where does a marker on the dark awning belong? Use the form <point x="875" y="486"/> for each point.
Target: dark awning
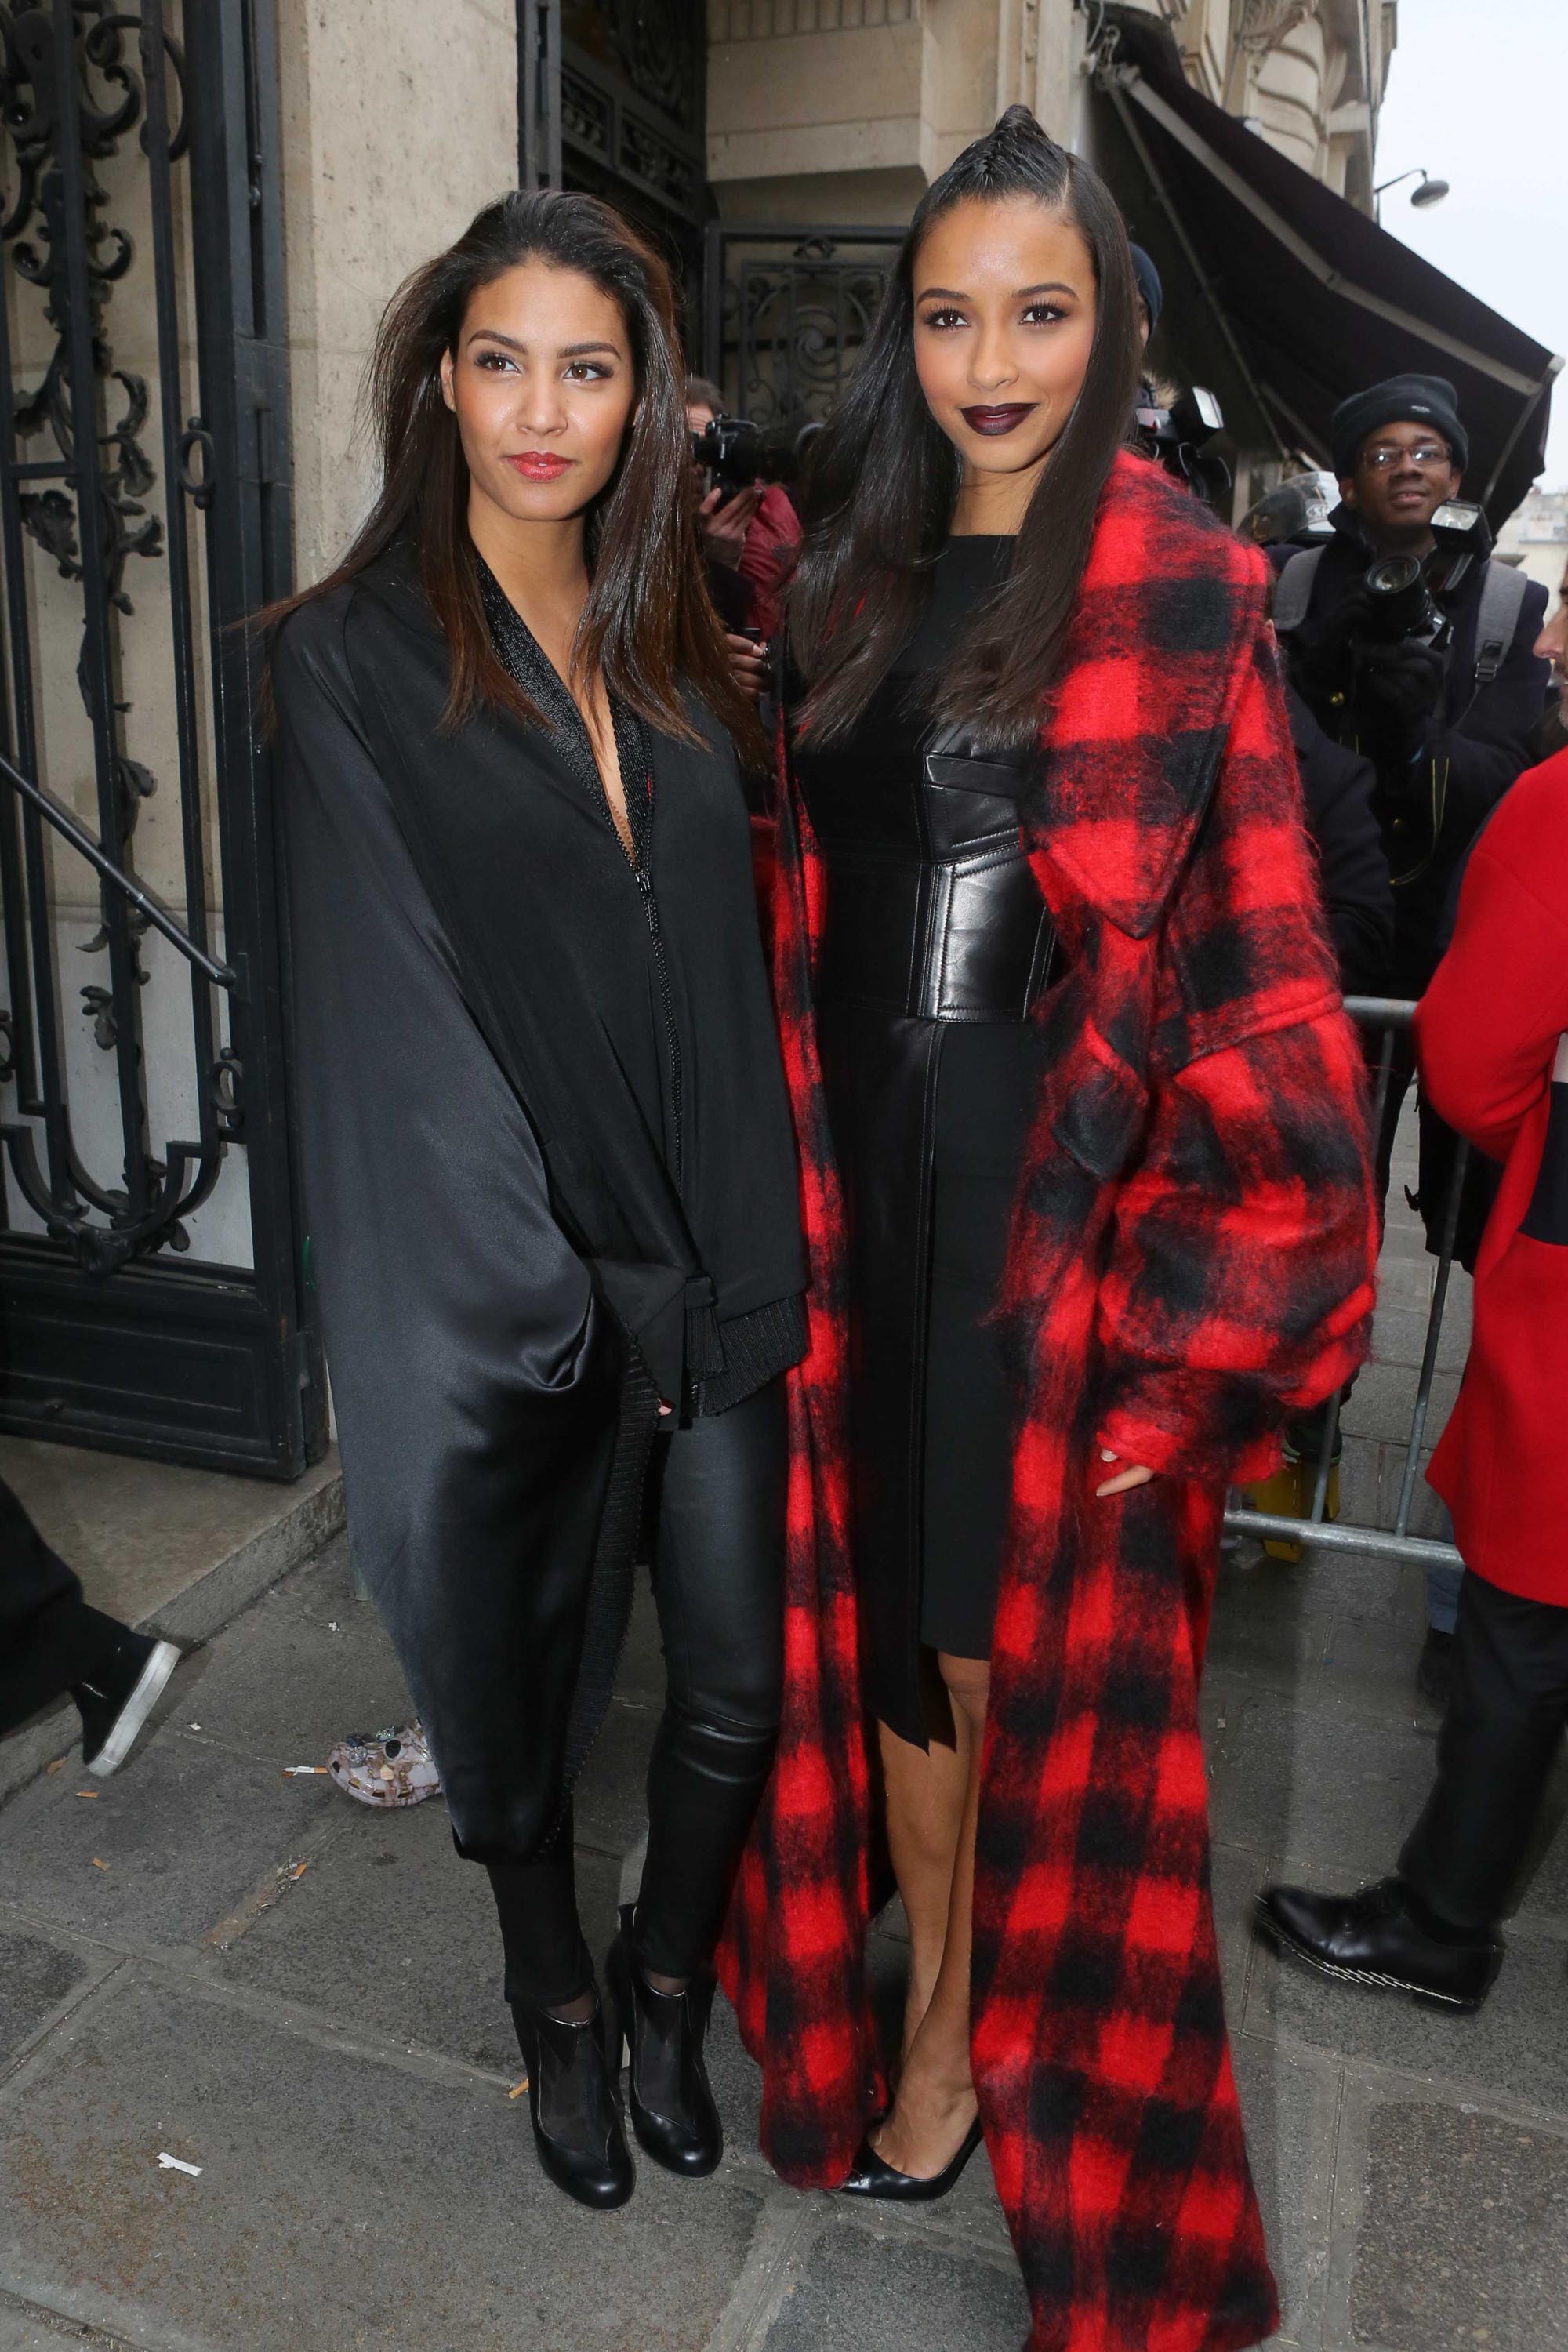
<point x="1309" y="298"/>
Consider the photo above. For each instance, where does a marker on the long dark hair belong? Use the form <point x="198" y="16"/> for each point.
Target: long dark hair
<point x="648" y="626"/>
<point x="883" y="475"/>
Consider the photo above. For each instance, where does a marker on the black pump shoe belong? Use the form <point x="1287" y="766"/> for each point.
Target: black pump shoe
<point x="571" y="2100"/>
<point x="869" y="2176"/>
<point x="673" y="2114"/>
<point x="1381" y="1937"/>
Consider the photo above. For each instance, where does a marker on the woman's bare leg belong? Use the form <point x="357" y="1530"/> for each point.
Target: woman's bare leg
<point x="925" y="1793"/>
<point x="935" y="2103"/>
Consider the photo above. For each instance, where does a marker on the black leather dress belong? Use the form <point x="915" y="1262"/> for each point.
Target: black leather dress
<point x="937" y="947"/>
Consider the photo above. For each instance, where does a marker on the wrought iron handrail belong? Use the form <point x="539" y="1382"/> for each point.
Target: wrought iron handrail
<point x="1387" y="1015"/>
<point x="222" y="975"/>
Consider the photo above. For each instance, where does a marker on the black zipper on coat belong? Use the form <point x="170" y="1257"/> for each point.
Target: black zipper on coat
<point x="644" y="884"/>
<point x="642" y="875"/>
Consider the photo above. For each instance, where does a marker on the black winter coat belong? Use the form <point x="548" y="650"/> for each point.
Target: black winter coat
<point x="1479" y="738"/>
<point x="481" y="1085"/>
<point x="1337" y="786"/>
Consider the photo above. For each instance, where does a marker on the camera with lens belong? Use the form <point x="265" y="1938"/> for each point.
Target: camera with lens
<point x="1402" y="590"/>
<point x="1399" y="603"/>
<point x="1177" y="437"/>
<point x="735" y="453"/>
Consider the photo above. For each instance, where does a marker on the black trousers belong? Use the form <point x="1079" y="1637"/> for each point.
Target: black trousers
<point x="1401" y="1077"/>
<point x="718" y="1586"/>
<point x="1495" y="1750"/>
<point x="49" y="1638"/>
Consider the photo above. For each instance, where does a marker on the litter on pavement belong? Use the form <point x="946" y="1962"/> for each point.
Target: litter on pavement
<point x="168" y="2163"/>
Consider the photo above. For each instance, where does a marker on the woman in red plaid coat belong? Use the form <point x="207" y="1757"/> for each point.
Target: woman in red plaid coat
<point x="1087" y="1197"/>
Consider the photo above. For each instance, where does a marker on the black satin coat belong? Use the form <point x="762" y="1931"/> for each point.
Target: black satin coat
<point x="481" y="1100"/>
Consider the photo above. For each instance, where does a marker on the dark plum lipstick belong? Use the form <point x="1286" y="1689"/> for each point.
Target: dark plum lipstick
<point x="994" y="422"/>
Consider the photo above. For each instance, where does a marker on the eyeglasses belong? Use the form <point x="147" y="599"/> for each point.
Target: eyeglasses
<point x="1426" y="453"/>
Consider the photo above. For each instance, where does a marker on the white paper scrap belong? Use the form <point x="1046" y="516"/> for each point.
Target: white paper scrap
<point x="168" y="2163"/>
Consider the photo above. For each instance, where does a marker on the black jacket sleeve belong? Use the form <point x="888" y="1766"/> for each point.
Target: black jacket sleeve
<point x="1337" y="786"/>
<point x="1486" y="736"/>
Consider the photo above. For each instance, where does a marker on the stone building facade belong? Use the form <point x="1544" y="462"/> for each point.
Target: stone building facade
<point x="1535" y="537"/>
<point x="843" y="109"/>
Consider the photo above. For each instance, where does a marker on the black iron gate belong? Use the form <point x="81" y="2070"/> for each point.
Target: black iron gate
<point x="150" y="1283"/>
<point x="785" y="312"/>
<point x="611" y="100"/>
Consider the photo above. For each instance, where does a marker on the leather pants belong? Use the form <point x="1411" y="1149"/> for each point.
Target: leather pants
<point x="1500" y="1737"/>
<point x="718" y="1560"/>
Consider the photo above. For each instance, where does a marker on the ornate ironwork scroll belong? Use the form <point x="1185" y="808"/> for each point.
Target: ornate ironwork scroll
<point x="786" y="312"/>
<point x="74" y="86"/>
<point x="114" y="118"/>
<point x="632" y="97"/>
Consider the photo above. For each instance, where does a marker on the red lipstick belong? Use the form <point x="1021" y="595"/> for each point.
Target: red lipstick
<point x="995" y="421"/>
<point x="539" y="465"/>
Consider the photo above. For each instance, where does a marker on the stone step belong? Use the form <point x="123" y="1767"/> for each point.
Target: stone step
<point x="176" y="1552"/>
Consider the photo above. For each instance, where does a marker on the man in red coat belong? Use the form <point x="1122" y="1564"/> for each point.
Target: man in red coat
<point x="1492" y="1039"/>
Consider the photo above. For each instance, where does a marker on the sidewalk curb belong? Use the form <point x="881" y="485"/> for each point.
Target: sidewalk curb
<point x="312" y="1517"/>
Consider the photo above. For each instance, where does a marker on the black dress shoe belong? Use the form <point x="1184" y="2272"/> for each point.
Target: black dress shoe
<point x="673" y="2112"/>
<point x="571" y="2100"/>
<point x="869" y="2176"/>
<point x="1383" y="1936"/>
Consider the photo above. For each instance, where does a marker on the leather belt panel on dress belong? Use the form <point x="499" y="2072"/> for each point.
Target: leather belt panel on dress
<point x="961" y="935"/>
<point x="959" y="939"/>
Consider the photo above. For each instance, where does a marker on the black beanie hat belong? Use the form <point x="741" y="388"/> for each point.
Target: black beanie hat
<point x="1402" y="400"/>
<point x="1148" y="286"/>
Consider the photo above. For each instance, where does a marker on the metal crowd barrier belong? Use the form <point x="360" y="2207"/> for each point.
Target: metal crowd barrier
<point x="1386" y="1017"/>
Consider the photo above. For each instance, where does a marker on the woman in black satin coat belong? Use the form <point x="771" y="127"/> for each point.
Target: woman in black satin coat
<point x="551" y="1181"/>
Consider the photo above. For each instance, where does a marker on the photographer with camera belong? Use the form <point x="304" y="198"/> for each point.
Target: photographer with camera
<point x="748" y="524"/>
<point x="1409" y="646"/>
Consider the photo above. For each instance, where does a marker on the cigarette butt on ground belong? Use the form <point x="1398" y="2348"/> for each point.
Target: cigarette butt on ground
<point x="167" y="2163"/>
<point x="300" y="1771"/>
<point x="518" y="2089"/>
<point x="298" y="1869"/>
<point x="98" y="1865"/>
<point x="93" y="1793"/>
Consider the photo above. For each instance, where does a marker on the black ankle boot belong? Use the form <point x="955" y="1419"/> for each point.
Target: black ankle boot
<point x="572" y="2099"/>
<point x="673" y="2112"/>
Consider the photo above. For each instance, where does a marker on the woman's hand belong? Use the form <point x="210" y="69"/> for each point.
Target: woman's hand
<point x="749" y="663"/>
<point x="1123" y="1481"/>
<point x="723" y="519"/>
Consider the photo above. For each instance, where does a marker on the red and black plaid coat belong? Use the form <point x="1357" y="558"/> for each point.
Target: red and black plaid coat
<point x="1192" y="1260"/>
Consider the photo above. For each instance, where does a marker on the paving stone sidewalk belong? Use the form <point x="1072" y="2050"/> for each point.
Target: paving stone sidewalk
<point x="208" y="1959"/>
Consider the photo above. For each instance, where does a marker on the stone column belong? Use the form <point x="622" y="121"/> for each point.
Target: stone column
<point x="399" y="122"/>
<point x="1039" y="64"/>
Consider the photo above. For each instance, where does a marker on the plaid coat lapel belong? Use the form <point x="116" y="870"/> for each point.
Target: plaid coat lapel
<point x="1192" y="1260"/>
<point x="1148" y="682"/>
